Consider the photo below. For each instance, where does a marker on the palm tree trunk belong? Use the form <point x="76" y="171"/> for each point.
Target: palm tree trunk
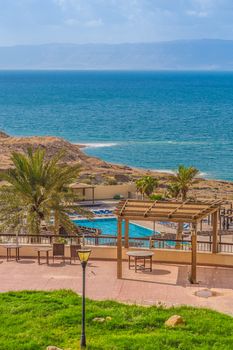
<point x="180" y="225"/>
<point x="56" y="223"/>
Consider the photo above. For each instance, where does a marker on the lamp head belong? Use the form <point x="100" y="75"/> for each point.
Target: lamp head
<point x="84" y="255"/>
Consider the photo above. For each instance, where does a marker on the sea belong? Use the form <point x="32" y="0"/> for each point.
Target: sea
<point x="152" y="120"/>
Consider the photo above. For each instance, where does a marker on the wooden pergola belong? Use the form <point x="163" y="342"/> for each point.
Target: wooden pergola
<point x="170" y="211"/>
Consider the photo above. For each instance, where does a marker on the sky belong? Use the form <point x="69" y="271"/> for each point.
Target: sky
<point x="113" y="21"/>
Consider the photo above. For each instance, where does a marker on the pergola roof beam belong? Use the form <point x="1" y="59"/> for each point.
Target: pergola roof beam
<point x="170" y="211"/>
<point x="123" y="207"/>
<point x="203" y="211"/>
<point x="149" y="209"/>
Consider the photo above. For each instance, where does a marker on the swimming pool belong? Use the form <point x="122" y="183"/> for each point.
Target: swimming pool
<point x="109" y="227"/>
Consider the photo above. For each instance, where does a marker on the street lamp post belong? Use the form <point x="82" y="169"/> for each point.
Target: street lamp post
<point x="83" y="255"/>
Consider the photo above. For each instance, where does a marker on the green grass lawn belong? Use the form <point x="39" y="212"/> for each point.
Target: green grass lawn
<point x="33" y="320"/>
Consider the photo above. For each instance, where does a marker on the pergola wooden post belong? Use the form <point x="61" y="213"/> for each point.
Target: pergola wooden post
<point x="201" y="225"/>
<point x="172" y="211"/>
<point x="119" y="248"/>
<point x="215" y="232"/>
<point x="93" y="195"/>
<point x="126" y="233"/>
<point x="193" y="277"/>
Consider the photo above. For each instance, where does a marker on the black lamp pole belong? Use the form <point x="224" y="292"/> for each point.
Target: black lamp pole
<point x="83" y="335"/>
<point x="83" y="255"/>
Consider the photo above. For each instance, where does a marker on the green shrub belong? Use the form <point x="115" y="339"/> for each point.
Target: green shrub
<point x="118" y="196"/>
<point x="156" y="197"/>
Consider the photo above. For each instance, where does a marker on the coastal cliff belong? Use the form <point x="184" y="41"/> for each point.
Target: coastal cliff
<point x="96" y="171"/>
<point x="73" y="154"/>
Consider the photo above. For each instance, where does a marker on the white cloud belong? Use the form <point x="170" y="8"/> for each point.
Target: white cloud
<point x="68" y="4"/>
<point x="113" y="20"/>
<point x="60" y="3"/>
<point x="94" y="23"/>
<point x="71" y="22"/>
<point x="197" y="13"/>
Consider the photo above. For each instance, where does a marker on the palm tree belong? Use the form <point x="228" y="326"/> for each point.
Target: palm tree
<point x="146" y="185"/>
<point x="181" y="183"/>
<point x="173" y="190"/>
<point x="37" y="191"/>
<point x="139" y="186"/>
<point x="183" y="179"/>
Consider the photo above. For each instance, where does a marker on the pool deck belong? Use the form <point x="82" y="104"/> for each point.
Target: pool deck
<point x="167" y="284"/>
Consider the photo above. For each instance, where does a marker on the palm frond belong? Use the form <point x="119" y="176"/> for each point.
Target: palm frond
<point x="37" y="187"/>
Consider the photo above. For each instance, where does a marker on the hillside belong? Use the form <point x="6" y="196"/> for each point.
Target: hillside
<point x="73" y="154"/>
<point x="96" y="171"/>
<point x="177" y="55"/>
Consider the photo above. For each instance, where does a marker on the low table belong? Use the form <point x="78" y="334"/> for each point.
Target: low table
<point x="9" y="247"/>
<point x="43" y="250"/>
<point x="141" y="256"/>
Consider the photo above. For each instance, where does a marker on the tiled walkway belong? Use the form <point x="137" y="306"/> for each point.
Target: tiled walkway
<point x="167" y="284"/>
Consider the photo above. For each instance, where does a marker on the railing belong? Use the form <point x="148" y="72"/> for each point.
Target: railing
<point x="204" y="246"/>
<point x="106" y="240"/>
<point x="163" y="243"/>
<point x="180" y="244"/>
<point x="225" y="248"/>
<point x="49" y="239"/>
<point x="138" y="242"/>
<point x="110" y="240"/>
<point x="26" y="239"/>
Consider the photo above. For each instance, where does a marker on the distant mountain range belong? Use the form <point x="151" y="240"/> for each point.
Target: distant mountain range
<point x="175" y="55"/>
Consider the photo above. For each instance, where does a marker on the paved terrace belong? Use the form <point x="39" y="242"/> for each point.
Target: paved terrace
<point x="167" y="284"/>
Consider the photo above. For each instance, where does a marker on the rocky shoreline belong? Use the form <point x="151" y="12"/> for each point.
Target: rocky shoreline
<point x="97" y="171"/>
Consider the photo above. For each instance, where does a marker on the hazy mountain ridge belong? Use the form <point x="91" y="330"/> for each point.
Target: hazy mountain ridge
<point x="184" y="54"/>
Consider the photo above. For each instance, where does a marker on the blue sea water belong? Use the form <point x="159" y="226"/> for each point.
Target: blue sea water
<point x="154" y="120"/>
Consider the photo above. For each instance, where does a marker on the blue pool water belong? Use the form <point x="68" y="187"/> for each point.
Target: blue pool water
<point x="109" y="227"/>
